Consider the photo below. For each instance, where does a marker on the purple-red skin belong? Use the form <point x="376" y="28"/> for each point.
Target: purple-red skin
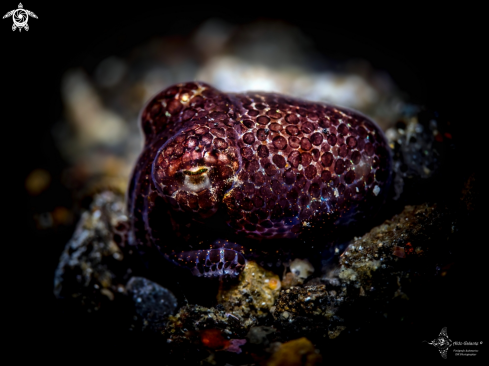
<point x="273" y="165"/>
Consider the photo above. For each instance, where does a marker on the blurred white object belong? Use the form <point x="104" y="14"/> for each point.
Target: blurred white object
<point x="92" y="121"/>
<point x="231" y="74"/>
<point x="301" y="268"/>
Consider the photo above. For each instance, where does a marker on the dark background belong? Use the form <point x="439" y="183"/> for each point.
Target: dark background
<point x="425" y="52"/>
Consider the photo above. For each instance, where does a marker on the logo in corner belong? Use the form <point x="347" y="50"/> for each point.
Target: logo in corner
<point x="20" y="17"/>
<point x="443" y="343"/>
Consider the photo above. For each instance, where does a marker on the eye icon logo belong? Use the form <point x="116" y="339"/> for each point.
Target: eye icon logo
<point x="443" y="343"/>
<point x="20" y="17"/>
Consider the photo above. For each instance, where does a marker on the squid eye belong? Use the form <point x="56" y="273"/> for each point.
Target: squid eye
<point x="196" y="179"/>
<point x="198" y="172"/>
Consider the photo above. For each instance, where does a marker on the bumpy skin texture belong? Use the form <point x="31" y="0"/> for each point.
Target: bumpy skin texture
<point x="270" y="165"/>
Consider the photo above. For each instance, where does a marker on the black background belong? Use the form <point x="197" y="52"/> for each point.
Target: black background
<point x="424" y="50"/>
